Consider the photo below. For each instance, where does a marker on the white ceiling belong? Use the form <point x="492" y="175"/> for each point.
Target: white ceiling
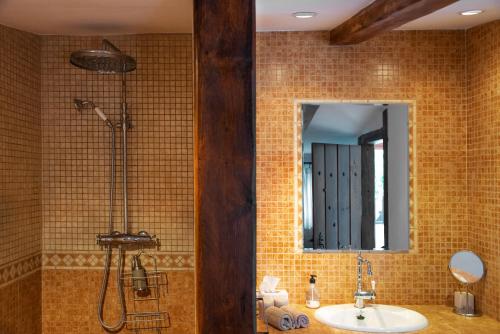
<point x="276" y="15"/>
<point x="103" y="17"/>
<point x="97" y="17"/>
<point x="346" y="119"/>
<point x="448" y="18"/>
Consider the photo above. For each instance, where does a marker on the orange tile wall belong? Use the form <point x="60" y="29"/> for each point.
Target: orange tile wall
<point x="76" y="146"/>
<point x="76" y="149"/>
<point x="422" y="66"/>
<point x="483" y="157"/>
<point x="20" y="182"/>
<point x="70" y="298"/>
<point x="20" y="147"/>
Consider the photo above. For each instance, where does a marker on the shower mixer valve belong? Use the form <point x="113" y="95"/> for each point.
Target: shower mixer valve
<point x="115" y="239"/>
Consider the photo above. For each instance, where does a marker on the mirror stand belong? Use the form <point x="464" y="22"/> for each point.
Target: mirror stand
<point x="464" y="303"/>
<point x="468" y="268"/>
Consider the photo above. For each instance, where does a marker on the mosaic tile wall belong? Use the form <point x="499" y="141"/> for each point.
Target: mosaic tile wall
<point x="21" y="305"/>
<point x="76" y="146"/>
<point x="422" y="66"/>
<point x="483" y="144"/>
<point x="20" y="147"/>
<point x="20" y="182"/>
<point x="76" y="149"/>
<point x="75" y="292"/>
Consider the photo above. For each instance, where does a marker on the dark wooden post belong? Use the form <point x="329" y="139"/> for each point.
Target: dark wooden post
<point x="224" y="42"/>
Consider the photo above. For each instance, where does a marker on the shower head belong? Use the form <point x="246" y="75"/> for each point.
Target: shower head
<point x="82" y="104"/>
<point x="108" y="60"/>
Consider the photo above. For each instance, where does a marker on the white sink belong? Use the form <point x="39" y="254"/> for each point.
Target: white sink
<point x="377" y="318"/>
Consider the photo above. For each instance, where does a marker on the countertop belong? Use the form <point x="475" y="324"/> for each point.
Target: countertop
<point x="441" y="318"/>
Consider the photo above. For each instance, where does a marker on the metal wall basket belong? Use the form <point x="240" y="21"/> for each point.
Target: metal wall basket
<point x="144" y="310"/>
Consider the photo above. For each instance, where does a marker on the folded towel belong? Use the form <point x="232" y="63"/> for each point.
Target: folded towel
<point x="278" y="318"/>
<point x="300" y="319"/>
<point x="286" y="310"/>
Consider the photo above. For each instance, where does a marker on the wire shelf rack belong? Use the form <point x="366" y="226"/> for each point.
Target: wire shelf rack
<point x="148" y="321"/>
<point x="144" y="308"/>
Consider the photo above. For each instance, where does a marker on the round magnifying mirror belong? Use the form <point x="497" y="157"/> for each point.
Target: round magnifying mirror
<point x="466" y="267"/>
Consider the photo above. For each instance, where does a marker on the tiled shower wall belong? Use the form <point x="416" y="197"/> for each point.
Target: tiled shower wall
<point x="76" y="146"/>
<point x="425" y="67"/>
<point x="20" y="182"/>
<point x="76" y="158"/>
<point x="483" y="157"/>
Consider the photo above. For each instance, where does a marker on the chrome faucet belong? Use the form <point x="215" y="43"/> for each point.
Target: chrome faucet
<point x="360" y="296"/>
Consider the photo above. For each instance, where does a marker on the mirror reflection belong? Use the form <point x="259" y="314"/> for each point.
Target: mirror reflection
<point x="355" y="176"/>
<point x="466" y="267"/>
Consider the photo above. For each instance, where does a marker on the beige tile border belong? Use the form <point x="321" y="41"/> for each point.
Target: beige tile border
<point x="95" y="260"/>
<point x="297" y="148"/>
<point x="18" y="269"/>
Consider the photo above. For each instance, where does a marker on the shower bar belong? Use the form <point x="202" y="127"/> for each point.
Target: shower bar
<point x="119" y="239"/>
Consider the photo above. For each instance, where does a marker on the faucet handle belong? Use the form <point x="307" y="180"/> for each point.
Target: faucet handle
<point x="373" y="284"/>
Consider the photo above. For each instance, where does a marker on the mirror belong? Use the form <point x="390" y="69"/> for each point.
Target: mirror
<point x="466" y="267"/>
<point x="355" y="176"/>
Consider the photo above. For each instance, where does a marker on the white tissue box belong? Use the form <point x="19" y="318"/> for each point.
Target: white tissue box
<point x="276" y="293"/>
<point x="279" y="297"/>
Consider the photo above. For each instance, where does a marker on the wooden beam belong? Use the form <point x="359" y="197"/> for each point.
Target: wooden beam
<point x="224" y="47"/>
<point x="380" y="16"/>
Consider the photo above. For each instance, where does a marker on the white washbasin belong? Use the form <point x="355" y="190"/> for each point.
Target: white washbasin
<point x="377" y="318"/>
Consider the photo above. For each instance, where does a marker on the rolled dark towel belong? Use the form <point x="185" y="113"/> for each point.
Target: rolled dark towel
<point x="300" y="319"/>
<point x="279" y="319"/>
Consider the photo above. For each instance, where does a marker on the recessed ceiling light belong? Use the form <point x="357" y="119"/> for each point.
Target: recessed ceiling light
<point x="304" y="15"/>
<point x="471" y="12"/>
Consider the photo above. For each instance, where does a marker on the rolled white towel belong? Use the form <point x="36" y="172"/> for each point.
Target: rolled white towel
<point x="281" y="300"/>
<point x="279" y="319"/>
<point x="300" y="319"/>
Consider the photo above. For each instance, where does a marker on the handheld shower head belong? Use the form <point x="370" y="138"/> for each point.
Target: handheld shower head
<point x="82" y="104"/>
<point x="101" y="114"/>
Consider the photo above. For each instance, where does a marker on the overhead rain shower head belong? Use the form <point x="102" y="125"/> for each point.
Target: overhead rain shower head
<point x="104" y="61"/>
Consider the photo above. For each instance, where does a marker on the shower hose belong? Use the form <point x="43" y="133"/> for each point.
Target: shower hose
<point x="109" y="252"/>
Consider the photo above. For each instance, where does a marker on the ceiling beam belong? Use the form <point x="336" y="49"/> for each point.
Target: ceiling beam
<point x="380" y="16"/>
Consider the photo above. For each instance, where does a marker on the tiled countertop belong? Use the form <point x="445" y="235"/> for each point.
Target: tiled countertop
<point x="441" y="321"/>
